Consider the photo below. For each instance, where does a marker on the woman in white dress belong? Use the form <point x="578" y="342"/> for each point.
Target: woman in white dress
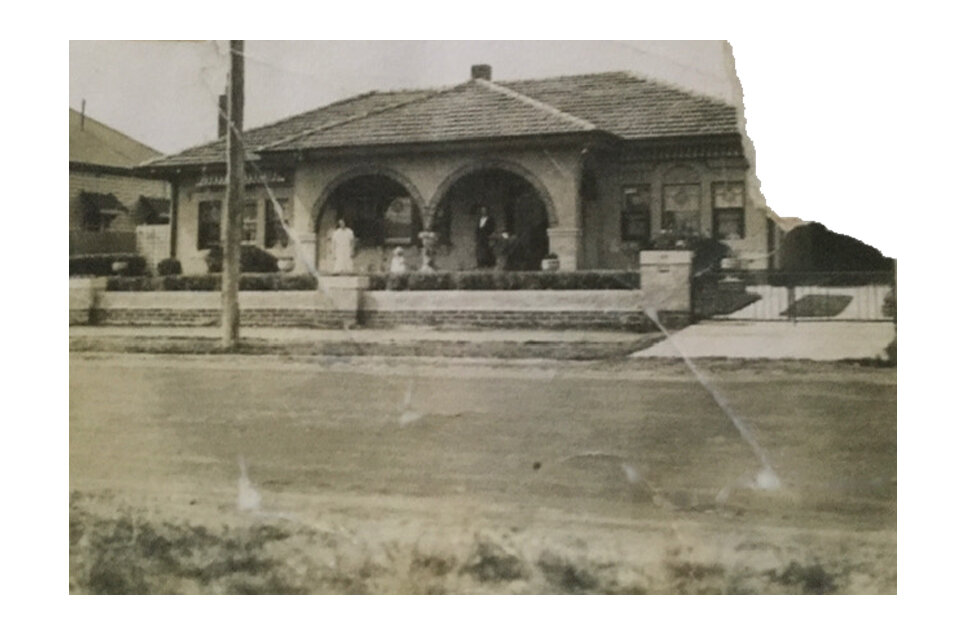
<point x="342" y="245"/>
<point x="398" y="265"/>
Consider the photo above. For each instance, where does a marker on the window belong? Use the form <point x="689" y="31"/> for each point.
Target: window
<point x="636" y="214"/>
<point x="249" y="235"/>
<point x="98" y="210"/>
<point x="728" y="210"/>
<point x="274" y="232"/>
<point x="399" y="222"/>
<point x="682" y="208"/>
<point x="207" y="234"/>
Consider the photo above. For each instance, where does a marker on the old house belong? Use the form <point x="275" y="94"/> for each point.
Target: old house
<point x="107" y="198"/>
<point x="590" y="167"/>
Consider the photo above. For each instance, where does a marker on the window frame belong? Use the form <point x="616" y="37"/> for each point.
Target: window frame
<point x="253" y="221"/>
<point x="670" y="217"/>
<point x="627" y="236"/>
<point x="210" y="202"/>
<point x="718" y="211"/>
<point x="274" y="230"/>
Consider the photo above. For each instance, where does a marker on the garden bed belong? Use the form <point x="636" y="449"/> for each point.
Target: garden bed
<point x="249" y="282"/>
<point x="509" y="280"/>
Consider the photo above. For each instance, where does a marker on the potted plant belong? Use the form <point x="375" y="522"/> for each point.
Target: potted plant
<point x="550" y="263"/>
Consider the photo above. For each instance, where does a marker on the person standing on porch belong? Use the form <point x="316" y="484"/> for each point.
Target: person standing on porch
<point x="342" y="244"/>
<point x="484" y="233"/>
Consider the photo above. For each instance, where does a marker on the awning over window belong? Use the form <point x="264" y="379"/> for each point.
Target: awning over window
<point x="152" y="210"/>
<point x="102" y="203"/>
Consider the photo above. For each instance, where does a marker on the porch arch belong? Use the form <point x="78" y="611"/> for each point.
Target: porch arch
<point x="499" y="165"/>
<point x="365" y="170"/>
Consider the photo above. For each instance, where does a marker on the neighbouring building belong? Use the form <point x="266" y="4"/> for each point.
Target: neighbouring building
<point x="590" y="167"/>
<point x="107" y="198"/>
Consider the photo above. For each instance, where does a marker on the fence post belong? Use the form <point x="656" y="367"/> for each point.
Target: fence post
<point x="791" y="300"/>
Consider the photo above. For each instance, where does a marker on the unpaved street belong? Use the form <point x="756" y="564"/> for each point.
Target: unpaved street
<point x="375" y="476"/>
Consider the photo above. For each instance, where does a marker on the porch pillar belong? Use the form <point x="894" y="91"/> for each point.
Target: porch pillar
<point x="566" y="236"/>
<point x="566" y="244"/>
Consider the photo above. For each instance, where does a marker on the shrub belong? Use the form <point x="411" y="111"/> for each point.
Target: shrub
<point x="169" y="267"/>
<point x="708" y="252"/>
<point x="509" y="280"/>
<point x="430" y="281"/>
<point x="280" y="282"/>
<point x="892" y="352"/>
<point x="213" y="282"/>
<point x="813" y="247"/>
<point x="101" y="265"/>
<point x="890" y="307"/>
<point x="252" y="259"/>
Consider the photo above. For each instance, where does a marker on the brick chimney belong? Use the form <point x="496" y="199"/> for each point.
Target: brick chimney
<point x="221" y="115"/>
<point x="482" y="71"/>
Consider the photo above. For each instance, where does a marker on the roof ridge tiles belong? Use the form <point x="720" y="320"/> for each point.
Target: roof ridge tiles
<point x="536" y="103"/>
<point x="426" y="95"/>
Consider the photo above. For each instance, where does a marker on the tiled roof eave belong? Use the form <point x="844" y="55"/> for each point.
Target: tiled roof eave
<point x="446" y="145"/>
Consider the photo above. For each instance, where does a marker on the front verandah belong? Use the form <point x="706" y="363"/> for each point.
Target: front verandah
<point x="387" y="212"/>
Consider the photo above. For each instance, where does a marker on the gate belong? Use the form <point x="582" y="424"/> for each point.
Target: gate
<point x="793" y="296"/>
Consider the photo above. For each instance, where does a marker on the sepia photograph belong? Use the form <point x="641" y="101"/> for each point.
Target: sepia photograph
<point x="463" y="318"/>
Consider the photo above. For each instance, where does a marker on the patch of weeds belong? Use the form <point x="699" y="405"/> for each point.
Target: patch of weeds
<point x="130" y="555"/>
<point x="813" y="579"/>
<point x="432" y="564"/>
<point x="491" y="561"/>
<point x="567" y="575"/>
<point x="112" y="574"/>
<point x="695" y="578"/>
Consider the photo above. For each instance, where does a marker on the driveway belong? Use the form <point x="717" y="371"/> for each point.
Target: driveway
<point x="864" y="303"/>
<point x="834" y="340"/>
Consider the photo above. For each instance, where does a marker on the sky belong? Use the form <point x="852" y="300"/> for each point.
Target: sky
<point x="809" y="114"/>
<point x="164" y="93"/>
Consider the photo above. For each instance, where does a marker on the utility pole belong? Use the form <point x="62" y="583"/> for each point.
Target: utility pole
<point x="232" y="216"/>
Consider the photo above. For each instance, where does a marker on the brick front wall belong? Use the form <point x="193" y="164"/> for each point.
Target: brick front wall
<point x="167" y="317"/>
<point x="628" y="321"/>
<point x="162" y="317"/>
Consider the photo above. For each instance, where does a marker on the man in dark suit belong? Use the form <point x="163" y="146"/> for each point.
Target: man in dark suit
<point x="485" y="227"/>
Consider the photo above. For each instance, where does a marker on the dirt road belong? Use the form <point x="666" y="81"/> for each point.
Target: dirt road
<point x="381" y="476"/>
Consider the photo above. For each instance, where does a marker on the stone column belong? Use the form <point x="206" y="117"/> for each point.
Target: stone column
<point x="666" y="281"/>
<point x="566" y="244"/>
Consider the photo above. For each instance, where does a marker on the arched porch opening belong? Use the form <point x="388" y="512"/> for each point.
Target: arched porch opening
<point x="382" y="213"/>
<point x="516" y="210"/>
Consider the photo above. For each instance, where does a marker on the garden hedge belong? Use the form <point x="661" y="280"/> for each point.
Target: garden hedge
<point x="580" y="280"/>
<point x="101" y="265"/>
<point x="213" y="282"/>
<point x="252" y="259"/>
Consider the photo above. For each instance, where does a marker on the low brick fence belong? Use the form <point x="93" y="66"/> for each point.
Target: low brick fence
<point x="344" y="301"/>
<point x="520" y="309"/>
<point x="595" y="309"/>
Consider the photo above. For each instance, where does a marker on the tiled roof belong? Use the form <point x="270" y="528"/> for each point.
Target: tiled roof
<point x="618" y="103"/>
<point x="472" y="110"/>
<point x="281" y="130"/>
<point x="632" y="107"/>
<point x="98" y="144"/>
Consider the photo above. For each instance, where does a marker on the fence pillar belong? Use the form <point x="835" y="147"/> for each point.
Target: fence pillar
<point x="84" y="296"/>
<point x="343" y="294"/>
<point x="666" y="282"/>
